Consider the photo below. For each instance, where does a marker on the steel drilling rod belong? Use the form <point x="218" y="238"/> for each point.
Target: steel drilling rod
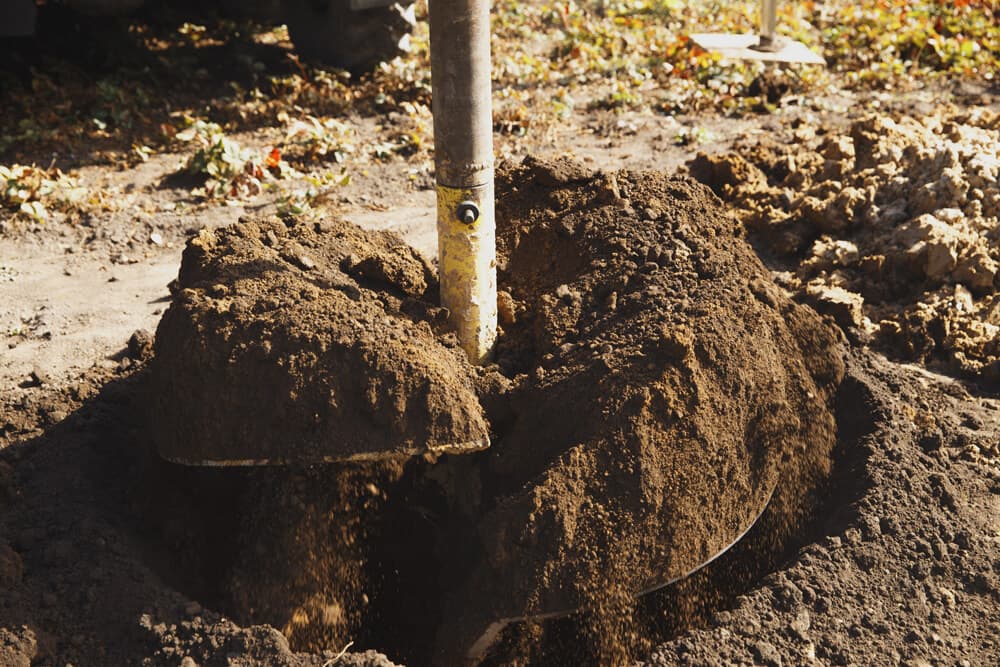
<point x="463" y="159"/>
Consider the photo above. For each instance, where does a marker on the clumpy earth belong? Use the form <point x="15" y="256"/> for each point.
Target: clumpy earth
<point x="890" y="224"/>
<point x="903" y="569"/>
<point x="656" y="373"/>
<point x="308" y="344"/>
<point x="648" y="368"/>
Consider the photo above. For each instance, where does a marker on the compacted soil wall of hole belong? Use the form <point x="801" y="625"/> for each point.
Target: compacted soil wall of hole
<point x="652" y="389"/>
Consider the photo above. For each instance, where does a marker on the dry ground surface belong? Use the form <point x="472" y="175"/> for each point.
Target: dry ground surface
<point x="868" y="189"/>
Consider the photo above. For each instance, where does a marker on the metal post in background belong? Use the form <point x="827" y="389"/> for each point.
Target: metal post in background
<point x="768" y="22"/>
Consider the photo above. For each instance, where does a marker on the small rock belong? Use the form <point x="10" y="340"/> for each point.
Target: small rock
<point x="39" y="377"/>
<point x="140" y="344"/>
<point x="305" y="262"/>
<point x="852" y="536"/>
<point x="610" y="189"/>
<point x="156" y="238"/>
<point x="568" y="295"/>
<point x="765" y="653"/>
<point x="800" y="624"/>
<point x="676" y="342"/>
<point x="506" y="308"/>
<point x="871" y="527"/>
<point x="188" y="661"/>
<point x="845" y="307"/>
<point x="611" y="302"/>
<point x="788" y="594"/>
<point x="56" y="416"/>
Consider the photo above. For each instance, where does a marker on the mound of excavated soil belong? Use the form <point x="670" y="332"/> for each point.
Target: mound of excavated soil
<point x="307" y="345"/>
<point x="660" y="385"/>
<point x="892" y="227"/>
<point x="110" y="556"/>
<point x="651" y="386"/>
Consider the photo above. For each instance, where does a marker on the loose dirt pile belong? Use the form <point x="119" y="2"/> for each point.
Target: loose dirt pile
<point x="903" y="568"/>
<point x="308" y="344"/>
<point x="656" y="372"/>
<point x="110" y="556"/>
<point x="648" y="371"/>
<point x="892" y="227"/>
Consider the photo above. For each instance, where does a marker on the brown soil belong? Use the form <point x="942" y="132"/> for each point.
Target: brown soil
<point x="109" y="556"/>
<point x="889" y="224"/>
<point x="306" y="345"/>
<point x="104" y="549"/>
<point x="648" y="369"/>
<point x="656" y="373"/>
<point x="902" y="568"/>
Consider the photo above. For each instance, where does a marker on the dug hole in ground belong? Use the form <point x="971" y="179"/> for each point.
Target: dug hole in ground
<point x="654" y="389"/>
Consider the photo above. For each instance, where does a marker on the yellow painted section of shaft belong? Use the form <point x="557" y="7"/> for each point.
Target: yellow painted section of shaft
<point x="468" y="273"/>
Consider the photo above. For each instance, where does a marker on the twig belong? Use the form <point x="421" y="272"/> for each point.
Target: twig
<point x="334" y="659"/>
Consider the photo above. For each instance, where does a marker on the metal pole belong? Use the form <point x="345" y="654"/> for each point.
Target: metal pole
<point x="463" y="159"/>
<point x="768" y="22"/>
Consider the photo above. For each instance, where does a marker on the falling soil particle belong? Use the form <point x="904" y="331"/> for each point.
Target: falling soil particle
<point x="651" y="385"/>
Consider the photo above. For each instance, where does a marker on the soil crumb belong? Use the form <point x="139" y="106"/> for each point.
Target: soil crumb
<point x="891" y="226"/>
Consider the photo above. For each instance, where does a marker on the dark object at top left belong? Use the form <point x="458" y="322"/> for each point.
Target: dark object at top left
<point x="355" y="35"/>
